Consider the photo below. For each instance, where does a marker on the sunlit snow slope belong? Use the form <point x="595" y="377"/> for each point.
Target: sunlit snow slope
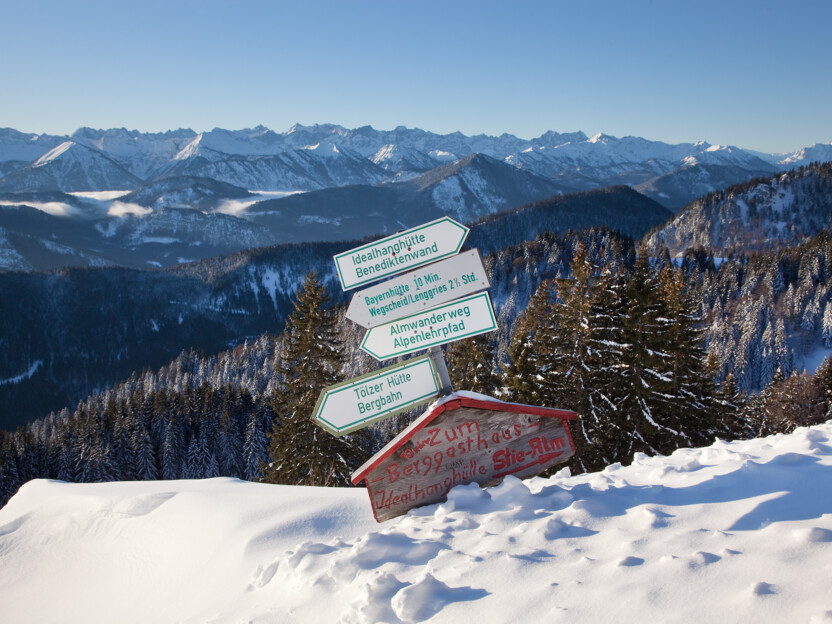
<point x="736" y="532"/>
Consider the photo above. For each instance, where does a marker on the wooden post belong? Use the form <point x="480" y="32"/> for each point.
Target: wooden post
<point x="442" y="370"/>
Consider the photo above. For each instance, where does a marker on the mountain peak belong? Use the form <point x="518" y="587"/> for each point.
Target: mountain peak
<point x="325" y="149"/>
<point x="600" y="138"/>
<point x="190" y="150"/>
<point x="552" y="138"/>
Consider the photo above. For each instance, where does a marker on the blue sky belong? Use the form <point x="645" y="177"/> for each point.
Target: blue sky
<point x="753" y="74"/>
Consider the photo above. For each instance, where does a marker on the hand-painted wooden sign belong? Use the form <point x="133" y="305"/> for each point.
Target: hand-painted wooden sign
<point x="356" y="403"/>
<point x="464" y="439"/>
<point x="459" y="319"/>
<point x="403" y="251"/>
<point x="423" y="288"/>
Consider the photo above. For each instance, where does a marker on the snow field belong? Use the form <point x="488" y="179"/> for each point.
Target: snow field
<point x="735" y="532"/>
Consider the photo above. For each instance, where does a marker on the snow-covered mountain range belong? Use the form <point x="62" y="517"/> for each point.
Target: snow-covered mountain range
<point x="321" y="156"/>
<point x="283" y="187"/>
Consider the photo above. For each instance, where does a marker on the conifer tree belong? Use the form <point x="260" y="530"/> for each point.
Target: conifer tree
<point x="145" y="468"/>
<point x="574" y="350"/>
<point x="201" y="463"/>
<point x="565" y="340"/>
<point x="65" y="470"/>
<point x="728" y="403"/>
<point x="522" y="379"/>
<point x="300" y="452"/>
<point x="823" y="381"/>
<point x="645" y="382"/>
<point x="756" y="413"/>
<point x="603" y="425"/>
<point x="255" y="452"/>
<point x="470" y="365"/>
<point x="230" y="440"/>
<point x="690" y="405"/>
<point x="9" y="476"/>
<point x="172" y="451"/>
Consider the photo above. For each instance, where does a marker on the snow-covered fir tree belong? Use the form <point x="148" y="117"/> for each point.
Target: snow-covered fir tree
<point x="301" y="452"/>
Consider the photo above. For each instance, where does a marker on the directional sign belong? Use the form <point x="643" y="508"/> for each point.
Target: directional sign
<point x="407" y="250"/>
<point x="429" y="286"/>
<point x="358" y="402"/>
<point x="446" y="323"/>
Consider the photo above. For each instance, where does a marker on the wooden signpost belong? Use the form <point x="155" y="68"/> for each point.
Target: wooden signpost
<point x="464" y="440"/>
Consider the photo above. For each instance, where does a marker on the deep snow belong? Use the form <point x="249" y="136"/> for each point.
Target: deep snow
<point x="736" y="532"/>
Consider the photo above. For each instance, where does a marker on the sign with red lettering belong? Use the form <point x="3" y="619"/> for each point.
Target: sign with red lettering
<point x="465" y="439"/>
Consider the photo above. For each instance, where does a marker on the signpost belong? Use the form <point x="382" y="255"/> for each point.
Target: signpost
<point x="356" y="403"/>
<point x="459" y="319"/>
<point x="432" y="285"/>
<point x="407" y="250"/>
<point x="462" y="438"/>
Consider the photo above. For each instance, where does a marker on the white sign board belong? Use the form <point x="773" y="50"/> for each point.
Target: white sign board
<point x="429" y="286"/>
<point x="460" y="319"/>
<point x="407" y="250"/>
<point x="358" y="402"/>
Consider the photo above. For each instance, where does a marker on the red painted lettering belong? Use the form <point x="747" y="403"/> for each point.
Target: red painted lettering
<point x="434" y="434"/>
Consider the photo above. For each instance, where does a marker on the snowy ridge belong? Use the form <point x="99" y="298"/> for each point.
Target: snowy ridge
<point x="53" y="154"/>
<point x="19" y="146"/>
<point x="819" y="152"/>
<point x="10" y="259"/>
<point x="785" y="209"/>
<point x="27" y="375"/>
<point x="735" y="532"/>
<point x="190" y="150"/>
<point x="71" y="167"/>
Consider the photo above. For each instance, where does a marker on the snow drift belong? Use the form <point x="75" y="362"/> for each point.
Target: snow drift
<point x="735" y="532"/>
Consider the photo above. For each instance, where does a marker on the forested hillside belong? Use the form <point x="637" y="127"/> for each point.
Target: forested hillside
<point x="764" y="213"/>
<point x="63" y="333"/>
<point x="653" y="354"/>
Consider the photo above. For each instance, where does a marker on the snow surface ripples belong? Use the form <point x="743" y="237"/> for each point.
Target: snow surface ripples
<point x="701" y="518"/>
<point x="735" y="532"/>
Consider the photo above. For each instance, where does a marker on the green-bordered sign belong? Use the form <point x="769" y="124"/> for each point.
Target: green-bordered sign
<point x="418" y="290"/>
<point x="407" y="250"/>
<point x="356" y="403"/>
<point x="459" y="319"/>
